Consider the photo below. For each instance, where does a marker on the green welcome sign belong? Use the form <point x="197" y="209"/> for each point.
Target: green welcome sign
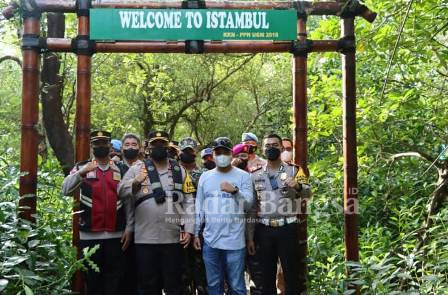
<point x="192" y="24"/>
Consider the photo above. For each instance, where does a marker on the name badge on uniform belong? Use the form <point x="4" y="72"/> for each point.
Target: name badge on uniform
<point x="117" y="176"/>
<point x="91" y="175"/>
<point x="260" y="184"/>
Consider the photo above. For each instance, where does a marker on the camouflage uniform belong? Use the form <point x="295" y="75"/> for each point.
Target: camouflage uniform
<point x="194" y="274"/>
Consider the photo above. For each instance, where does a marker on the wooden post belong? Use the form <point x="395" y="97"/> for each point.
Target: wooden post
<point x="301" y="145"/>
<point x="349" y="144"/>
<point x="30" y="115"/>
<point x="82" y="131"/>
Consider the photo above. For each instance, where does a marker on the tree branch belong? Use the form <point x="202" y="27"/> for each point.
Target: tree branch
<point x="413" y="154"/>
<point x="10" y="57"/>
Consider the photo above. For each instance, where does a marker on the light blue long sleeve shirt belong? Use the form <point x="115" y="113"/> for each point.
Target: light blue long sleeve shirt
<point x="223" y="213"/>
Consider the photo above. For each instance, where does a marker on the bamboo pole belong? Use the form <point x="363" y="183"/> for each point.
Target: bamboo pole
<point x="312" y="8"/>
<point x="82" y="128"/>
<point x="30" y="117"/>
<point x="349" y="147"/>
<point x="212" y="47"/>
<point x="64" y="45"/>
<point x="301" y="147"/>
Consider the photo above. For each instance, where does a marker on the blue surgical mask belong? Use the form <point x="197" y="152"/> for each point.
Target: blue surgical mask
<point x="223" y="160"/>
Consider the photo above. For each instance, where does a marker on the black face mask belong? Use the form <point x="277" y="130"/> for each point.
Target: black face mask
<point x="242" y="165"/>
<point x="159" y="153"/>
<point x="130" y="153"/>
<point x="101" y="151"/>
<point x="272" y="153"/>
<point x="209" y="165"/>
<point x="187" y="158"/>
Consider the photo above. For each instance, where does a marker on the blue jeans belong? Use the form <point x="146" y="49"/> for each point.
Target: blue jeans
<point x="220" y="264"/>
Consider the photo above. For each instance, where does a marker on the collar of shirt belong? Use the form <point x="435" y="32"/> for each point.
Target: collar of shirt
<point x="136" y="162"/>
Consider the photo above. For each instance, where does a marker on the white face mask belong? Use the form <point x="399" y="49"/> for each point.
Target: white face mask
<point x="223" y="160"/>
<point x="286" y="156"/>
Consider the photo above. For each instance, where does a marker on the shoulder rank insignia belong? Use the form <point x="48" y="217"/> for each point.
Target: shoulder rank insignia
<point x="254" y="169"/>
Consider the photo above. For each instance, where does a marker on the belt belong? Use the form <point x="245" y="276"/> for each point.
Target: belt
<point x="277" y="222"/>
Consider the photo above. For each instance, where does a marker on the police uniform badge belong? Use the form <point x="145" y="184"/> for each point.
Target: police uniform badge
<point x="260" y="184"/>
<point x="117" y="176"/>
<point x="91" y="175"/>
<point x="283" y="176"/>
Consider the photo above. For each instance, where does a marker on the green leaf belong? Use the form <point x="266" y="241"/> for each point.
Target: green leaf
<point x="28" y="291"/>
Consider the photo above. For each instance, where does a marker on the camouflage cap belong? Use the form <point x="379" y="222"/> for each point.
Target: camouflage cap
<point x="188" y="142"/>
<point x="206" y="152"/>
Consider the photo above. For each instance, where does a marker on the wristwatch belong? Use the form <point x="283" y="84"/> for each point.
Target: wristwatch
<point x="236" y="190"/>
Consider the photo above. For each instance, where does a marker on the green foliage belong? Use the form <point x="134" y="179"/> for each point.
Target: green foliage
<point x="136" y="92"/>
<point x="37" y="258"/>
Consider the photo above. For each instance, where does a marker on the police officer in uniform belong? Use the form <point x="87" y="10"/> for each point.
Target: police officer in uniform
<point x="102" y="219"/>
<point x="164" y="216"/>
<point x="254" y="162"/>
<point x="187" y="157"/>
<point x="279" y="188"/>
<point x="194" y="274"/>
<point x="207" y="160"/>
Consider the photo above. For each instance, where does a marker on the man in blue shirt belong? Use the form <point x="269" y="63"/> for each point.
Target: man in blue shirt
<point x="223" y="196"/>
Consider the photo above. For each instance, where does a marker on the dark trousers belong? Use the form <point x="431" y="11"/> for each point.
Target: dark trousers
<point x="193" y="276"/>
<point x="129" y="282"/>
<point x="274" y="243"/>
<point x="110" y="260"/>
<point x="253" y="266"/>
<point x="159" y="267"/>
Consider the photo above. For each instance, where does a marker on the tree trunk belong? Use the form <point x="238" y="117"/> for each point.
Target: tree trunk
<point x="51" y="96"/>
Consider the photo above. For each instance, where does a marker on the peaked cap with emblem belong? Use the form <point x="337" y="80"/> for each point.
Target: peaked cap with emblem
<point x="100" y="134"/>
<point x="158" y="135"/>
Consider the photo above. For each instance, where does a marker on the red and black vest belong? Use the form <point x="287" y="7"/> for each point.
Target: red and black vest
<point x="101" y="208"/>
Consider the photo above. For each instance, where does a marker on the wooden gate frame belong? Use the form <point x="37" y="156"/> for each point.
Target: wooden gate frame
<point x="84" y="48"/>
